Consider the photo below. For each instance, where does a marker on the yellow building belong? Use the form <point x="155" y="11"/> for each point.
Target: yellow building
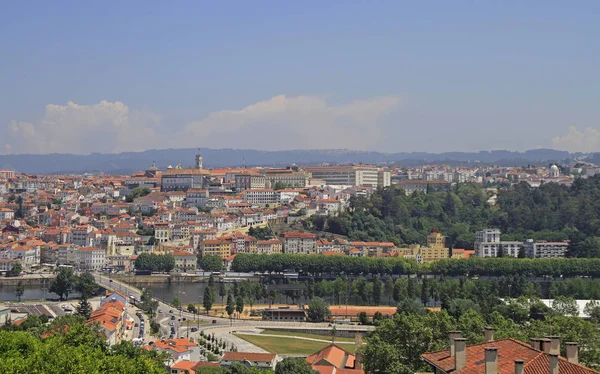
<point x="436" y="239"/>
<point x="219" y="247"/>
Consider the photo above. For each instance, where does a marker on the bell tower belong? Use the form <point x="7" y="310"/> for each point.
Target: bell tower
<point x="198" y="161"/>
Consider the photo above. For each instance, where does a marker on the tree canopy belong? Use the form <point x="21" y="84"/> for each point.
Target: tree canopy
<point x="155" y="262"/>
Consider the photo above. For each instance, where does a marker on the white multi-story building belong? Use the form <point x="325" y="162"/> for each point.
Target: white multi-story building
<point x="488" y="244"/>
<point x="299" y="242"/>
<point x="544" y="249"/>
<point x="363" y="175"/>
<point x="261" y="196"/>
<point x="88" y="258"/>
<point x="81" y="235"/>
<point x="6" y="213"/>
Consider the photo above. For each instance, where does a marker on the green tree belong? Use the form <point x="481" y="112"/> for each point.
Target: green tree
<point x="19" y="290"/>
<point x="176" y="302"/>
<point x="208" y="299"/>
<point x="363" y="318"/>
<point x="84" y="308"/>
<point x="137" y="192"/>
<point x="64" y="282"/>
<point x="147" y="301"/>
<point x="566" y="306"/>
<point x="318" y="310"/>
<point x="239" y="305"/>
<point x="211" y="263"/>
<point x="86" y="285"/>
<point x="192" y="308"/>
<point x="230" y="307"/>
<point x="15" y="270"/>
<point x="294" y="365"/>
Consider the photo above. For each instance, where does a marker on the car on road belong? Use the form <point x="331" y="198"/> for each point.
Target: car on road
<point x="160" y="311"/>
<point x="214" y="321"/>
<point x="171" y="311"/>
<point x="171" y="323"/>
<point x="110" y="280"/>
<point x="183" y="319"/>
<point x="194" y="329"/>
<point x="172" y="318"/>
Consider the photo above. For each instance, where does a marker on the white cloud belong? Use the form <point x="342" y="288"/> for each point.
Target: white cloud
<point x="281" y="122"/>
<point x="73" y="128"/>
<point x="587" y="140"/>
<point x="284" y="122"/>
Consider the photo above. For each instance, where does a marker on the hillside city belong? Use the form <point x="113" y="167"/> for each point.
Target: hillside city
<point x="332" y="269"/>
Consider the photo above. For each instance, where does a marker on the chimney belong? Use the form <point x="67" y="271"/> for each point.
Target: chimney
<point x="535" y="344"/>
<point x="572" y="352"/>
<point x="489" y="334"/>
<point x="491" y="360"/>
<point x="453" y="335"/>
<point x="460" y="353"/>
<point x="519" y="365"/>
<point x="553" y="363"/>
<point x="358" y="357"/>
<point x="545" y="345"/>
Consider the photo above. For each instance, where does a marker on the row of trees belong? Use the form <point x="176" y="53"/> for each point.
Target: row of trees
<point x="317" y="264"/>
<point x="550" y="212"/>
<point x="155" y="262"/>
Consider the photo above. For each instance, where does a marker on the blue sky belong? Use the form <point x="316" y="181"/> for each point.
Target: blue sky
<point x="381" y="75"/>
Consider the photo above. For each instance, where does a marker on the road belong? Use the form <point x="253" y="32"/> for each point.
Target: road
<point x="223" y="328"/>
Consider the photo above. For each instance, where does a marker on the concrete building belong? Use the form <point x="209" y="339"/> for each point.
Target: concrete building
<point x="362" y="175"/>
<point x="162" y="232"/>
<point x="410" y="186"/>
<point x="261" y="196"/>
<point x="179" y="179"/>
<point x="488" y="244"/>
<point x="299" y="242"/>
<point x="544" y="249"/>
<point x="88" y="258"/>
<point x="247" y="181"/>
<point x="185" y="261"/>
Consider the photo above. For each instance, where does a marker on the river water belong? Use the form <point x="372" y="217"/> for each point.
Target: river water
<point x="31" y="292"/>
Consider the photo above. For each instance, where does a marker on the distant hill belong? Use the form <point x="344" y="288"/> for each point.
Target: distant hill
<point x="127" y="162"/>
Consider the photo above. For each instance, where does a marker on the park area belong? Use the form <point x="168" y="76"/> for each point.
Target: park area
<point x="284" y="342"/>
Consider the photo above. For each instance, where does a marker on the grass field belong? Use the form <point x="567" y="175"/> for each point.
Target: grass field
<point x="305" y="335"/>
<point x="287" y="345"/>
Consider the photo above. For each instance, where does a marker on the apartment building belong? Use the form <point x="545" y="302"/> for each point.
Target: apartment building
<point x="261" y="196"/>
<point x="299" y="242"/>
<point x="88" y="258"/>
<point x="185" y="261"/>
<point x="287" y="177"/>
<point x="162" y="232"/>
<point x="196" y="197"/>
<point x="219" y="247"/>
<point x="81" y="236"/>
<point x="488" y="244"/>
<point x="6" y="213"/>
<point x="544" y="249"/>
<point x="268" y="247"/>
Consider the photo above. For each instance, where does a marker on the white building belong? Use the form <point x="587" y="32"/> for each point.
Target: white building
<point x="362" y="175"/>
<point x="299" y="242"/>
<point x="544" y="249"/>
<point x="261" y="196"/>
<point x="6" y="213"/>
<point x="88" y="258"/>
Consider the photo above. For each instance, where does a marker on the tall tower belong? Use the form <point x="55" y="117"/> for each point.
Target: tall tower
<point x="198" y="161"/>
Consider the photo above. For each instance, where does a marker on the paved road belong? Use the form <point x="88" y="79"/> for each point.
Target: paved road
<point x="223" y="328"/>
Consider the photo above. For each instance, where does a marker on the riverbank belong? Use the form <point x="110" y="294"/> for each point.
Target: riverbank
<point x="28" y="280"/>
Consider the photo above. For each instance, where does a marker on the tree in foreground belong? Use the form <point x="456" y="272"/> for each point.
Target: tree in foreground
<point x="318" y="310"/>
<point x="294" y="365"/>
<point x="176" y="302"/>
<point x="239" y="305"/>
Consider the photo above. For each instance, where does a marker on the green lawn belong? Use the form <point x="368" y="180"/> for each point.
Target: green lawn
<point x="305" y="335"/>
<point x="287" y="345"/>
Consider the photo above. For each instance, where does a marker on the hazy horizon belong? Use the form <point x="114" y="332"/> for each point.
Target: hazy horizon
<point x="390" y="77"/>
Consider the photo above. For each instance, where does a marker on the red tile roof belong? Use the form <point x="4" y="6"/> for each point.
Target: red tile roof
<point x="509" y="350"/>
